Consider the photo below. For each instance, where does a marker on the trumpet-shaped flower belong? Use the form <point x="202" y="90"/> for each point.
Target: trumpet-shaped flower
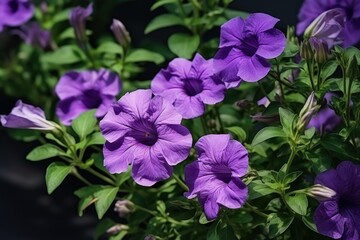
<point x="27" y="117"/>
<point x="245" y="47"/>
<point x="15" y="12"/>
<point x="189" y="85"/>
<point x="215" y="178"/>
<point x="311" y="9"/>
<point x="338" y="215"/>
<point x="85" y="90"/>
<point x="144" y="132"/>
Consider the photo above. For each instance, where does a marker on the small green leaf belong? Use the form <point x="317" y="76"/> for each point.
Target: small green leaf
<point x="162" y="21"/>
<point x="309" y="223"/>
<point x="287" y="119"/>
<point x="328" y="69"/>
<point x="110" y="47"/>
<point x="161" y="207"/>
<point x="84" y="124"/>
<point x="277" y="224"/>
<point x="183" y="45"/>
<point x="161" y="3"/>
<point x="44" y="152"/>
<point x="335" y="144"/>
<point x="105" y="197"/>
<point x="203" y="220"/>
<point x="63" y="55"/>
<point x="258" y="189"/>
<point x="291" y="177"/>
<point x="238" y="132"/>
<point x="298" y="203"/>
<point x="96" y="139"/>
<point x="267" y="133"/>
<point x="55" y="175"/>
<point x="143" y="55"/>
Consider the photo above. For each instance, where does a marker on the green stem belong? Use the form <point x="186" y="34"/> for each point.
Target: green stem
<point x="262" y="89"/>
<point x="181" y="183"/>
<point x="145" y="210"/>
<point x="78" y="175"/>
<point x="319" y="76"/>
<point x="309" y="66"/>
<point x="203" y="123"/>
<point x="219" y="118"/>
<point x="290" y="160"/>
<point x="99" y="175"/>
<point x="253" y="209"/>
<point x="182" y="11"/>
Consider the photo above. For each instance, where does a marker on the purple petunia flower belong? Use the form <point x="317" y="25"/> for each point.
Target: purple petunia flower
<point x="215" y="178"/>
<point x="338" y="216"/>
<point x="144" y="132"/>
<point x="78" y="16"/>
<point x="311" y="9"/>
<point x="85" y="90"/>
<point x="189" y="85"/>
<point x="328" y="26"/>
<point x="15" y="12"/>
<point x="245" y="46"/>
<point x="33" y="34"/>
<point x="326" y="119"/>
<point x="27" y="117"/>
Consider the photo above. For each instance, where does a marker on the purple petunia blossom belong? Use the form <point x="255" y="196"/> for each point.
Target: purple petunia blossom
<point x="144" y="132"/>
<point x="189" y="85"/>
<point x="78" y="16"/>
<point x="33" y="34"/>
<point x="328" y="26"/>
<point x="245" y="47"/>
<point x="27" y="117"/>
<point x="215" y="178"/>
<point x="85" y="90"/>
<point x="311" y="9"/>
<point x="326" y="119"/>
<point x="338" y="216"/>
<point x="15" y="12"/>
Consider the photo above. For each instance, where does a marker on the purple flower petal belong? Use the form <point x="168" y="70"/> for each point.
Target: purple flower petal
<point x="211" y="208"/>
<point x="260" y="22"/>
<point x="233" y="195"/>
<point x="252" y="69"/>
<point x="189" y="107"/>
<point x="119" y="154"/>
<point x="271" y="43"/>
<point x="231" y="32"/>
<point x="328" y="220"/>
<point x="15" y="12"/>
<point x="162" y="112"/>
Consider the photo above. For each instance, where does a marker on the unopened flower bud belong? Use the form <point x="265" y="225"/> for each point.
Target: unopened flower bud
<point x="328" y="26"/>
<point x="124" y="207"/>
<point x="78" y="16"/>
<point x="320" y="48"/>
<point x="243" y="104"/>
<point x="116" y="229"/>
<point x="120" y="33"/>
<point x="259" y="117"/>
<point x="309" y="109"/>
<point x="306" y="51"/>
<point x="321" y="193"/>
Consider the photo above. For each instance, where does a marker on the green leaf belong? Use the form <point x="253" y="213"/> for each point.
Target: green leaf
<point x="277" y="224"/>
<point x="287" y="119"/>
<point x="110" y="47"/>
<point x="84" y="124"/>
<point x="238" y="132"/>
<point x="143" y="55"/>
<point x="44" y="152"/>
<point x="298" y="203"/>
<point x="258" y="189"/>
<point x="63" y="55"/>
<point x="203" y="220"/>
<point x="309" y="222"/>
<point x="55" y="175"/>
<point x="161" y="207"/>
<point x="183" y="45"/>
<point x="86" y="195"/>
<point x="267" y="133"/>
<point x="328" y="69"/>
<point x="102" y="226"/>
<point x="335" y="144"/>
<point x="162" y="21"/>
<point x="105" y="197"/>
<point x="291" y="177"/>
<point x="96" y="139"/>
<point x="161" y="3"/>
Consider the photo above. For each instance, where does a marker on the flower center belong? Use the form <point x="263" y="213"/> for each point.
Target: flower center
<point x="144" y="132"/>
<point x="13" y="6"/>
<point x="193" y="86"/>
<point x="91" y="98"/>
<point x="249" y="45"/>
<point x="222" y="173"/>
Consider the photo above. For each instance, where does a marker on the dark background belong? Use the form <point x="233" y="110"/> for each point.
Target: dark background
<point x="26" y="210"/>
